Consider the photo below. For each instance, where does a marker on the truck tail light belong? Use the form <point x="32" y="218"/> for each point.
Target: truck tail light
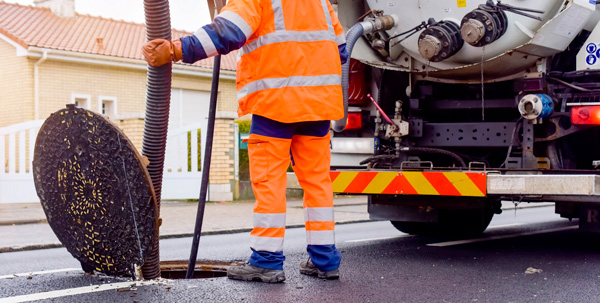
<point x="357" y="86"/>
<point x="586" y="115"/>
<point x="354" y="121"/>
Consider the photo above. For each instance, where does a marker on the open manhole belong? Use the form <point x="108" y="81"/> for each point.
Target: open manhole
<point x="203" y="269"/>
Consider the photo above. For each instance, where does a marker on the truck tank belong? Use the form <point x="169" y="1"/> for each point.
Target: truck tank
<point x="508" y="36"/>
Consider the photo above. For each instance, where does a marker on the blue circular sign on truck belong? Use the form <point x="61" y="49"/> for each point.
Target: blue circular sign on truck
<point x="591" y="48"/>
<point x="591" y="60"/>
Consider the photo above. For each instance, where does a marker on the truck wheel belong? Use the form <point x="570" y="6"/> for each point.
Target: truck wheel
<point x="452" y="223"/>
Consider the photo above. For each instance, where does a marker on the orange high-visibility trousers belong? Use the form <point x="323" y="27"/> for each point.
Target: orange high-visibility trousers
<point x="269" y="150"/>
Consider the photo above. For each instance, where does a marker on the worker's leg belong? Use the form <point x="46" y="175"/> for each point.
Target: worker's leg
<point x="269" y="154"/>
<point x="312" y="156"/>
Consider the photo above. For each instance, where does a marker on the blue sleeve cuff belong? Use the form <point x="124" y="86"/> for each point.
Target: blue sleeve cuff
<point x="191" y="49"/>
<point x="343" y="53"/>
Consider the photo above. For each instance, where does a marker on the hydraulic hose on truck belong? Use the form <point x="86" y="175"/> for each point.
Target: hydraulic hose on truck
<point x="355" y="32"/>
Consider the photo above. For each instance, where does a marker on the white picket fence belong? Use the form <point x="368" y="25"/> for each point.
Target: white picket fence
<point x="181" y="179"/>
<point x="17" y="143"/>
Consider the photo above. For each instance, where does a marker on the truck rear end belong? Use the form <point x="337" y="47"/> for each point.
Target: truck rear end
<point x="455" y="106"/>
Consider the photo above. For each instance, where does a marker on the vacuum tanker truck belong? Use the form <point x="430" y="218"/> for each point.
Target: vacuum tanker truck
<point x="453" y="106"/>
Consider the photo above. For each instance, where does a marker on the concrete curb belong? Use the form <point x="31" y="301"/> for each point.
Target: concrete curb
<point x="22" y="222"/>
<point x="8" y="249"/>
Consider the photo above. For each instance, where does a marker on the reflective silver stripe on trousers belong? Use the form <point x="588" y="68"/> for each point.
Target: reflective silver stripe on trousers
<point x="341" y="39"/>
<point x="320" y="237"/>
<point x="266" y="244"/>
<point x="287" y="36"/>
<point x="318" y="214"/>
<point x="278" y="15"/>
<point x="269" y="220"/>
<point x="293" y="81"/>
<point x="238" y="21"/>
<point x="207" y="43"/>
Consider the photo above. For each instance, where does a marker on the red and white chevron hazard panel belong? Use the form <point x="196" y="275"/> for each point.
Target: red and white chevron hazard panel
<point x="468" y="184"/>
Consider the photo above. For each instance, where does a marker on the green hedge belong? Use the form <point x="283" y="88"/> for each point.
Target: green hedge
<point x="244" y="127"/>
<point x="189" y="151"/>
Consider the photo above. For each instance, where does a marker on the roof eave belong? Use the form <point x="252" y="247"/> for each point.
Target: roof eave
<point x="19" y="44"/>
<point x="78" y="57"/>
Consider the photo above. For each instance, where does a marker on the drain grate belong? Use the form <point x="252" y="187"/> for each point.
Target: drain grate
<point x="95" y="191"/>
<point x="203" y="269"/>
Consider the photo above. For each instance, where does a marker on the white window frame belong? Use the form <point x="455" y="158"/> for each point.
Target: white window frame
<point x="113" y="100"/>
<point x="87" y="98"/>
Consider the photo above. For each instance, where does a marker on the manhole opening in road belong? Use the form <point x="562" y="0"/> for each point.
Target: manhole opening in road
<point x="202" y="270"/>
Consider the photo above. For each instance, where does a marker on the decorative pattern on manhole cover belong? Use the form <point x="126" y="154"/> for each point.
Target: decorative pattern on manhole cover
<point x="95" y="191"/>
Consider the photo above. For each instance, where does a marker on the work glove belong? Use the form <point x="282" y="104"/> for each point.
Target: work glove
<point x="160" y="51"/>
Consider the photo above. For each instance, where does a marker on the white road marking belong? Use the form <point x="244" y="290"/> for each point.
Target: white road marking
<point x="505" y="225"/>
<point x="459" y="242"/>
<point x="78" y="291"/>
<point x="35" y="273"/>
<point x="376" y="239"/>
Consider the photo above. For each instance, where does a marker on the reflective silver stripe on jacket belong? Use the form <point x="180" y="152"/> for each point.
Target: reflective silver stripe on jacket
<point x="207" y="43"/>
<point x="340" y="39"/>
<point x="238" y="21"/>
<point x="320" y="237"/>
<point x="278" y="15"/>
<point x="287" y="36"/>
<point x="318" y="214"/>
<point x="293" y="81"/>
<point x="269" y="220"/>
<point x="281" y="35"/>
<point x="327" y="16"/>
<point x="267" y="244"/>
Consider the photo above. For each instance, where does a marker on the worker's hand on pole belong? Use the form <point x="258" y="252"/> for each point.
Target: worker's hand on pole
<point x="160" y="51"/>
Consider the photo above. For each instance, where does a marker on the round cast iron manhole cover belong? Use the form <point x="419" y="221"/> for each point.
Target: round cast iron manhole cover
<point x="95" y="191"/>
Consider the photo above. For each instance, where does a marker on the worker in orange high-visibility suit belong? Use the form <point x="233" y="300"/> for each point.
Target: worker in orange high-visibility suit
<point x="289" y="78"/>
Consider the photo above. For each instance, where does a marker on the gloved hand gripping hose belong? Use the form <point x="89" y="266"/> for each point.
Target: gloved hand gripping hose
<point x="359" y="29"/>
<point x="158" y="99"/>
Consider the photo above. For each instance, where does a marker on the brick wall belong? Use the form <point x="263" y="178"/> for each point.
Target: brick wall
<point x="222" y="157"/>
<point x="16" y="86"/>
<point x="134" y="129"/>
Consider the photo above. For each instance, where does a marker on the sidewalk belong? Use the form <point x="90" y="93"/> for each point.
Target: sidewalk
<point x="23" y="226"/>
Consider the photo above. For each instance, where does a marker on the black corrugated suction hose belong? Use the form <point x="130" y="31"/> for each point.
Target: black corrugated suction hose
<point x="158" y="99"/>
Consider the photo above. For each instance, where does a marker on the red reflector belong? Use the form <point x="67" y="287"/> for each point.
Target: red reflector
<point x="585" y="115"/>
<point x="354" y="121"/>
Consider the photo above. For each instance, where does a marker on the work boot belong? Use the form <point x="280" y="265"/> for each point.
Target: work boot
<point x="249" y="272"/>
<point x="308" y="268"/>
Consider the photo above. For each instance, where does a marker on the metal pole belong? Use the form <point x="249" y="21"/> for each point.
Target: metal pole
<point x="206" y="169"/>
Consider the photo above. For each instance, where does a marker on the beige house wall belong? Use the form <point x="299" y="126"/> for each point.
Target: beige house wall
<point x="59" y="80"/>
<point x="16" y="86"/>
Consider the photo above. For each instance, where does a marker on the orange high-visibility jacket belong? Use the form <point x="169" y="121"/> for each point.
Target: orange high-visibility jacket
<point x="289" y="66"/>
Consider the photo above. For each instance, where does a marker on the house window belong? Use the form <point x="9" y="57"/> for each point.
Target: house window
<point x="107" y="106"/>
<point x="81" y="100"/>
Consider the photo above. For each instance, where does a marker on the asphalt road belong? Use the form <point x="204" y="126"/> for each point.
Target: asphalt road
<point x="379" y="264"/>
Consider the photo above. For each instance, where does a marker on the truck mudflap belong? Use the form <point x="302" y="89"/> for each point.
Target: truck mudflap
<point x="468" y="184"/>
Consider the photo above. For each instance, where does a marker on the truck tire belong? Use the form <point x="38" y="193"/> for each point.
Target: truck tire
<point x="452" y="223"/>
